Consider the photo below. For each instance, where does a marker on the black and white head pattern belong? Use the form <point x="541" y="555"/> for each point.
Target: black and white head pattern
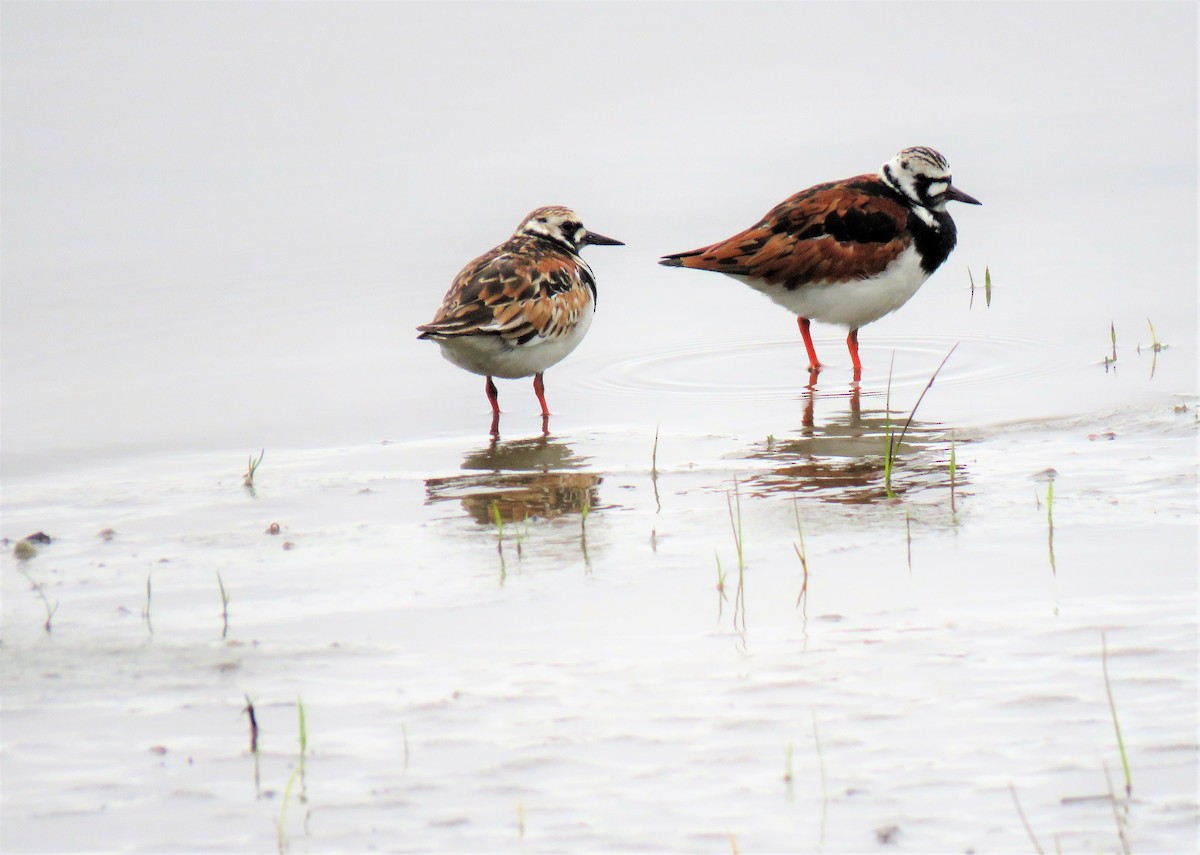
<point x="922" y="175"/>
<point x="556" y="223"/>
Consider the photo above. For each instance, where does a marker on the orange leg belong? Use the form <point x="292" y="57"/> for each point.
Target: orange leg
<point x="493" y="396"/>
<point x="539" y="389"/>
<point x="852" y="344"/>
<point x="804" y="323"/>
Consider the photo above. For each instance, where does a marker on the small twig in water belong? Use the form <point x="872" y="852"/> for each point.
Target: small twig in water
<point x="1120" y="812"/>
<point x="1037" y="847"/>
<point x="921" y="397"/>
<point x="894" y="447"/>
<point x="249" y="711"/>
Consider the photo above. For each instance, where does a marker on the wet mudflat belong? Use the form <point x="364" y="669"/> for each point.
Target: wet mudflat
<point x="602" y="678"/>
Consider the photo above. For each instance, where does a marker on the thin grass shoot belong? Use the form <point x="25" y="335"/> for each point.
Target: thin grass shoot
<point x="721" y="597"/>
<point x="887" y="426"/>
<point x="224" y="606"/>
<point x="824" y="783"/>
<point x="303" y="747"/>
<point x="953" y="474"/>
<point x="146" y="608"/>
<point x="38" y="589"/>
<point x="735" y="521"/>
<point x="908" y="538"/>
<point x="1050" y="523"/>
<point x="252" y="468"/>
<point x="788" y="777"/>
<point x="1112" y="707"/>
<point x="802" y="554"/>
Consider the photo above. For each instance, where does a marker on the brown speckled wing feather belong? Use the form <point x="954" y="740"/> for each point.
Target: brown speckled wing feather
<point x="832" y="232"/>
<point x="523" y="289"/>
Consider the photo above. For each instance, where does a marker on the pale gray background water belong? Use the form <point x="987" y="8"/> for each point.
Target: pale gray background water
<point x="221" y="223"/>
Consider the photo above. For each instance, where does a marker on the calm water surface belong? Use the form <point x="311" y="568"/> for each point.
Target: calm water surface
<point x="203" y="259"/>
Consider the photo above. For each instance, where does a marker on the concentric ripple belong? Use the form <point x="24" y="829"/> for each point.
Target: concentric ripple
<point x="745" y="369"/>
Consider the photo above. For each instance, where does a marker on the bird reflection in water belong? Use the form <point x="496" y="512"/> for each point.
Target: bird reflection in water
<point x="843" y="459"/>
<point x="525" y="478"/>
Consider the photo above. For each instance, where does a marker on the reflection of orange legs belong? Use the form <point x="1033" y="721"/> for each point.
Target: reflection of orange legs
<point x="539" y="389"/>
<point x="852" y="344"/>
<point x="813" y="365"/>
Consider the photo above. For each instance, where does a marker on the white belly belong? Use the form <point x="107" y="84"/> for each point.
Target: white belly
<point x="492" y="355"/>
<point x="855" y="303"/>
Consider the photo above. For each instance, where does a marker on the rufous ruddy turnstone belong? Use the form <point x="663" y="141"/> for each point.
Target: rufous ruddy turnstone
<point x="522" y="306"/>
<point x="845" y="252"/>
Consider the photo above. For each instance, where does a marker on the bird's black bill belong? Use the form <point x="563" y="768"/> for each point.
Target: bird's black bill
<point x="953" y="194"/>
<point x="601" y="240"/>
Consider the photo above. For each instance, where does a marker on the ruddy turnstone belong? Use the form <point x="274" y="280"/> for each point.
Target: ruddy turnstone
<point x="845" y="252"/>
<point x="523" y="306"/>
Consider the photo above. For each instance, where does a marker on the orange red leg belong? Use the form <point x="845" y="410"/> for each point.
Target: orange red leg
<point x="493" y="396"/>
<point x="852" y="344"/>
<point x="804" y="324"/>
<point x="539" y="389"/>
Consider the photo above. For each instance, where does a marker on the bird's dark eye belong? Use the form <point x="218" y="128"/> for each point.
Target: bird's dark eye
<point x="904" y="164"/>
<point x="542" y="220"/>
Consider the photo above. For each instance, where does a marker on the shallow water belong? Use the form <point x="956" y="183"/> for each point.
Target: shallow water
<point x="204" y="260"/>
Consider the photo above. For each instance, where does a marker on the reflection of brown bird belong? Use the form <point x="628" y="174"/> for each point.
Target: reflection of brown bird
<point x="846" y="252"/>
<point x="522" y="306"/>
<point x="525" y="478"/>
<point x="520" y="497"/>
<point x="844" y="460"/>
